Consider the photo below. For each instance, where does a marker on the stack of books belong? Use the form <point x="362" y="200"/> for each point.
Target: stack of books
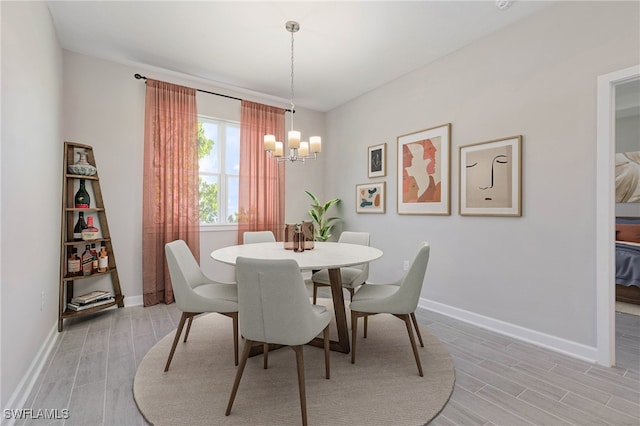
<point x="90" y="300"/>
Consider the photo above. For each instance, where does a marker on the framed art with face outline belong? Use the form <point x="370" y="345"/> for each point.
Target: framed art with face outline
<point x="491" y="178"/>
<point x="377" y="161"/>
<point x="370" y="197"/>
<point x="424" y="171"/>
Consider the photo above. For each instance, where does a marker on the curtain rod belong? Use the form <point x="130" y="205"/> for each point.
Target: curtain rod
<point x="142" y="77"/>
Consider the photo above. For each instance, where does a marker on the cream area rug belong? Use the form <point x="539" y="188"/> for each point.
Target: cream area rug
<point x="382" y="388"/>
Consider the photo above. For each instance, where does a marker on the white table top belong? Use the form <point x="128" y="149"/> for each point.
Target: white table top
<point x="324" y="254"/>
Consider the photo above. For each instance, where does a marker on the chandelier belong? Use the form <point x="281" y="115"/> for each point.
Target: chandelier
<point x="298" y="150"/>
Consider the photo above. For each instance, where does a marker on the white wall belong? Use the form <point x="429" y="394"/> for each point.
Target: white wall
<point x="31" y="180"/>
<point x="538" y="79"/>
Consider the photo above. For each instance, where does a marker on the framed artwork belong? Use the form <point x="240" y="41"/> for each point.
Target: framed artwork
<point x="491" y="178"/>
<point x="377" y="162"/>
<point x="370" y="197"/>
<point x="424" y="171"/>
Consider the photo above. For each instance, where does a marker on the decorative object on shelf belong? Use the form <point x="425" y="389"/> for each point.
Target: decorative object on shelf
<point x="370" y="197"/>
<point x="424" y="171"/>
<point x="79" y="227"/>
<point x="491" y="178"/>
<point x="82" y="166"/>
<point x="318" y="213"/>
<point x="377" y="161"/>
<point x="298" y="150"/>
<point x="90" y="232"/>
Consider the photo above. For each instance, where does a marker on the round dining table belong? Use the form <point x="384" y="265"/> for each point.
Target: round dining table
<point x="324" y="255"/>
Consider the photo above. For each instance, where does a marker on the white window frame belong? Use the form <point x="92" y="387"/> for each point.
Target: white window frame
<point x="220" y="144"/>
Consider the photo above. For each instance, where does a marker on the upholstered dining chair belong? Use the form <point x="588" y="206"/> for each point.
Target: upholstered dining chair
<point x="353" y="276"/>
<point x="399" y="299"/>
<point x="251" y="237"/>
<point x="195" y="293"/>
<point x="275" y="309"/>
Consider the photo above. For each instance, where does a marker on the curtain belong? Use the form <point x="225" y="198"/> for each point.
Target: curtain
<point x="261" y="187"/>
<point x="170" y="205"/>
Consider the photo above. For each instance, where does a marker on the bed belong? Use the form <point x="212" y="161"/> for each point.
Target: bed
<point x="628" y="260"/>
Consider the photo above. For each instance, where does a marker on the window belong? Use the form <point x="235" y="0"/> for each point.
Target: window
<point x="219" y="164"/>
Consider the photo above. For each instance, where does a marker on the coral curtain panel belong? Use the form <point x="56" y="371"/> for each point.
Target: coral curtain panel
<point x="170" y="206"/>
<point x="261" y="190"/>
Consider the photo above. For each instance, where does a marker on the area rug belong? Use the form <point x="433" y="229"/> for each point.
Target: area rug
<point x="382" y="388"/>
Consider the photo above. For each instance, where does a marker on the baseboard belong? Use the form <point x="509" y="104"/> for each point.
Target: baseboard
<point x="133" y="301"/>
<point x="24" y="388"/>
<point x="554" y="343"/>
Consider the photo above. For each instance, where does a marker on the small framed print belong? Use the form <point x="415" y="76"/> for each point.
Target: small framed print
<point x="423" y="171"/>
<point x="370" y="197"/>
<point x="377" y="163"/>
<point x="491" y="178"/>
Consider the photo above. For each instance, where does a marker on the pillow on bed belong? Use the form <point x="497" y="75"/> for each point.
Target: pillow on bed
<point x="633" y="220"/>
<point x="628" y="232"/>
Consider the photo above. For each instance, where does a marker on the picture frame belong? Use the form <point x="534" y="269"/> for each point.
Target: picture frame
<point x="491" y="178"/>
<point x="371" y="197"/>
<point x="423" y="172"/>
<point x="377" y="160"/>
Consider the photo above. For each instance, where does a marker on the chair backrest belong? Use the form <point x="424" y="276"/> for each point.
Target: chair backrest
<point x="185" y="273"/>
<point x="408" y="294"/>
<point x="251" y="237"/>
<point x="273" y="302"/>
<point x="361" y="238"/>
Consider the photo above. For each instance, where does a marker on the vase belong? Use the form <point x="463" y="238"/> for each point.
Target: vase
<point x="82" y="166"/>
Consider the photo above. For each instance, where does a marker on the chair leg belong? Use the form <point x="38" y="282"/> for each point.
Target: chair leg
<point x="301" y="386"/>
<point x="315" y="293"/>
<point x="183" y="318"/>
<point x="326" y="352"/>
<point x="351" y="292"/>
<point x="354" y="332"/>
<point x="415" y="325"/>
<point x="186" y="334"/>
<point x="234" y="317"/>
<point x="407" y="322"/>
<point x="366" y="324"/>
<point x="243" y="361"/>
<point x="265" y="355"/>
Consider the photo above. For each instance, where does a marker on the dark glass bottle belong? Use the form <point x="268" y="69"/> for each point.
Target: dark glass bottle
<point x="82" y="198"/>
<point x="94" y="263"/>
<point x="80" y="226"/>
<point x="87" y="260"/>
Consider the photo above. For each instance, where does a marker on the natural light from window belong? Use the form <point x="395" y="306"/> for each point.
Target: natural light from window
<point x="219" y="163"/>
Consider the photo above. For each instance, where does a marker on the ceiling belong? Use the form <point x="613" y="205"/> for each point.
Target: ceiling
<point x="343" y="48"/>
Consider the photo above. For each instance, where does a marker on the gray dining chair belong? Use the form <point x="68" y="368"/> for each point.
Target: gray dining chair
<point x="251" y="237"/>
<point x="195" y="293"/>
<point x="352" y="276"/>
<point x="275" y="309"/>
<point x="399" y="299"/>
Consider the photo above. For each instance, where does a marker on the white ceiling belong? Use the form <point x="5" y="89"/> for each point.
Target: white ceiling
<point x="343" y="49"/>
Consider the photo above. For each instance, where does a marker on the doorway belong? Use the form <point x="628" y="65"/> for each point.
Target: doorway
<point x="605" y="211"/>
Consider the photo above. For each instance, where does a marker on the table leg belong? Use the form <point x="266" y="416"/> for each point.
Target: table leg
<point x="342" y="345"/>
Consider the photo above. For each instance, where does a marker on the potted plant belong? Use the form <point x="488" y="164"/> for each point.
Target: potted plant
<point x="318" y="213"/>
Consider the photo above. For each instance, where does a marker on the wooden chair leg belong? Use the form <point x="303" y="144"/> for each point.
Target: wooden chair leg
<point x="186" y="334"/>
<point x="326" y="352"/>
<point x="354" y="333"/>
<point x="183" y="318"/>
<point x="415" y="325"/>
<point x="366" y="324"/>
<point x="301" y="386"/>
<point x="234" y="317"/>
<point x="315" y="293"/>
<point x="265" y="355"/>
<point x="407" y="322"/>
<point x="243" y="361"/>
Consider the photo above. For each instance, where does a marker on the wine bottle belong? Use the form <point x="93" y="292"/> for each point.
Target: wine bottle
<point x="82" y="198"/>
<point x="73" y="263"/>
<point x="87" y="260"/>
<point x="103" y="258"/>
<point x="80" y="225"/>
<point x="94" y="258"/>
<point x="90" y="232"/>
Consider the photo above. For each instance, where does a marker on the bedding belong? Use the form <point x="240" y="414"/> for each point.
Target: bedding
<point x="627" y="264"/>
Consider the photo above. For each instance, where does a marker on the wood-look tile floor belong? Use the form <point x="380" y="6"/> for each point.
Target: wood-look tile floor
<point x="499" y="380"/>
